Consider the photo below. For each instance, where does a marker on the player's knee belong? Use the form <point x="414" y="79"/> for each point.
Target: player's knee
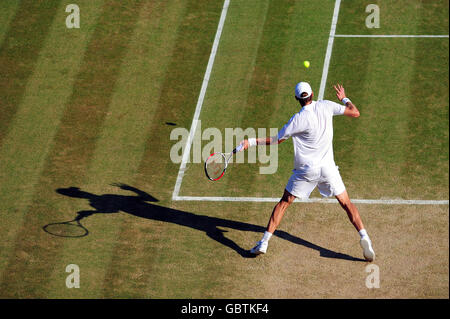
<point x="287" y="199"/>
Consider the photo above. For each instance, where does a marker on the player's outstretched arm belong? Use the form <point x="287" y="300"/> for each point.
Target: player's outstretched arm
<point x="350" y="109"/>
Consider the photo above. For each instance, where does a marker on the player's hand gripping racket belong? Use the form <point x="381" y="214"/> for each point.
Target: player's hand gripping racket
<point x="216" y="164"/>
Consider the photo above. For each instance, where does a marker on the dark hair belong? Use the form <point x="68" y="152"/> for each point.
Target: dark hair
<point x="303" y="101"/>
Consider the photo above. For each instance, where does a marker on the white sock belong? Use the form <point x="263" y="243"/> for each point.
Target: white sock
<point x="266" y="236"/>
<point x="363" y="233"/>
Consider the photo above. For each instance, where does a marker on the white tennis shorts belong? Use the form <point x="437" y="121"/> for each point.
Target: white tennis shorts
<point x="326" y="178"/>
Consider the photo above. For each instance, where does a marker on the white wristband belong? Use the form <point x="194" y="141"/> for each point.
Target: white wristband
<point x="345" y="100"/>
<point x="252" y="142"/>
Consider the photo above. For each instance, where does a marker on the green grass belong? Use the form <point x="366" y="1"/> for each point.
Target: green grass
<point x="388" y="89"/>
<point x="396" y="17"/>
<point x="19" y="51"/>
<point x="264" y="97"/>
<point x="380" y="83"/>
<point x="26" y="148"/>
<point x="94" y="106"/>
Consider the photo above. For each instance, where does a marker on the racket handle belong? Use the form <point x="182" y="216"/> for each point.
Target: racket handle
<point x="238" y="148"/>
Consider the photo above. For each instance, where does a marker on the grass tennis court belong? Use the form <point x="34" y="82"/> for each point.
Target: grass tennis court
<point x="93" y="108"/>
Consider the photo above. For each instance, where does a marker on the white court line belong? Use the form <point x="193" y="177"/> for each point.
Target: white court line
<point x="314" y="200"/>
<point x="388" y="36"/>
<point x="198" y="108"/>
<point x="326" y="63"/>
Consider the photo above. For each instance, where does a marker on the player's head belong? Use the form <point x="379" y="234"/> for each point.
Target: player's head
<point x="303" y="93"/>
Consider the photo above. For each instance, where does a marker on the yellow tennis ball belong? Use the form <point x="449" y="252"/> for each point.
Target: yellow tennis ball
<point x="306" y="64"/>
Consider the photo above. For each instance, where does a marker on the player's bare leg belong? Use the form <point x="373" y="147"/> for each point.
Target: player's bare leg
<point x="355" y="219"/>
<point x="352" y="211"/>
<point x="274" y="221"/>
<point x="278" y="211"/>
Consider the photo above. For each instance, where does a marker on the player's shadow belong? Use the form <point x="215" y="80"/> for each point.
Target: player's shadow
<point x="141" y="206"/>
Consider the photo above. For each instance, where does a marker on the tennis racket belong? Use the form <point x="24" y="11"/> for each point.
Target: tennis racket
<point x="216" y="164"/>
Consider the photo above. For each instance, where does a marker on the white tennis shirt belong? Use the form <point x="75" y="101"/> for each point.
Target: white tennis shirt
<point x="311" y="130"/>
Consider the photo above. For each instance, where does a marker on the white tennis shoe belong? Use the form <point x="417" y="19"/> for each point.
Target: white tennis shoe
<point x="260" y="248"/>
<point x="368" y="252"/>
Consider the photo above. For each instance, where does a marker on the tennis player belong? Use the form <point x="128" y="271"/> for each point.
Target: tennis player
<point x="311" y="130"/>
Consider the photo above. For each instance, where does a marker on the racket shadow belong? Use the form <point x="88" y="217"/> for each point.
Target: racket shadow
<point x="141" y="205"/>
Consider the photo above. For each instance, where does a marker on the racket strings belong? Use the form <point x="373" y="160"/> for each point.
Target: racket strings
<point x="215" y="165"/>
